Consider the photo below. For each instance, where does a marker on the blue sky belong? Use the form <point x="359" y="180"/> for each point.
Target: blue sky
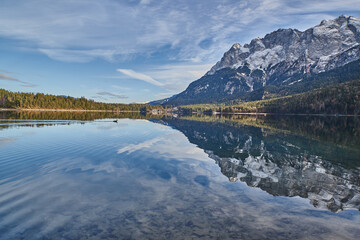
<point x="135" y="50"/>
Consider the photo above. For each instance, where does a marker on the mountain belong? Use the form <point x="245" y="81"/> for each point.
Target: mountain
<point x="326" y="172"/>
<point x="282" y="59"/>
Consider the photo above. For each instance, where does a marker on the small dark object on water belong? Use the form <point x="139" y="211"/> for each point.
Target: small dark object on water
<point x="115" y="121"/>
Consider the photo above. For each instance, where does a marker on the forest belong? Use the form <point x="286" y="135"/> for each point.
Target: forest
<point x="20" y="100"/>
<point x="343" y="99"/>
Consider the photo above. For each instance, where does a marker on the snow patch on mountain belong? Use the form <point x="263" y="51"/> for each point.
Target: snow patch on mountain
<point x="322" y="42"/>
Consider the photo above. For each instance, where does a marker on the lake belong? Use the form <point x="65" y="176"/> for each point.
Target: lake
<point x="84" y="176"/>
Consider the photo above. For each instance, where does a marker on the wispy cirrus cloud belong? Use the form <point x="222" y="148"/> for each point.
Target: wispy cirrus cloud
<point x="171" y="77"/>
<point x="140" y="76"/>
<point x="182" y="30"/>
<point x="164" y="43"/>
<point x="176" y="77"/>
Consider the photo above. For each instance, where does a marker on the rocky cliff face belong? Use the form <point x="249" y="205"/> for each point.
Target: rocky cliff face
<point x="283" y="57"/>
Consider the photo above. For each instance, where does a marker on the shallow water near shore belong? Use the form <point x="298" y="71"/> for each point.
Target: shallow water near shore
<point x="84" y="176"/>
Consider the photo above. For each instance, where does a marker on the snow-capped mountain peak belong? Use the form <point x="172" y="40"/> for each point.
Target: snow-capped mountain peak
<point x="339" y="34"/>
<point x="283" y="57"/>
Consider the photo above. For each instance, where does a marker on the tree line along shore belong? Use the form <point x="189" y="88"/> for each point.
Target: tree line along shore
<point x="342" y="99"/>
<point x="46" y="102"/>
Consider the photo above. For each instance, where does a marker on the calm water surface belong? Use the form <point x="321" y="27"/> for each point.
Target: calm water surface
<point x="82" y="176"/>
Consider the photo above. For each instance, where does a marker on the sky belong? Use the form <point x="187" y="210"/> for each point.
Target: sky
<point x="136" y="50"/>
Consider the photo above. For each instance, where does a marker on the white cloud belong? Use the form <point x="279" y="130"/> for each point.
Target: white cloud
<point x="176" y="77"/>
<point x="80" y="31"/>
<point x="171" y="77"/>
<point x="189" y="35"/>
<point x="140" y="76"/>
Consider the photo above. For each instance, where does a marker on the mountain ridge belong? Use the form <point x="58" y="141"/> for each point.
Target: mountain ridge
<point x="284" y="57"/>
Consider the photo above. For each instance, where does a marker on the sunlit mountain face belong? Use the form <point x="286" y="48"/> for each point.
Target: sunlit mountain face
<point x="284" y="156"/>
<point x="283" y="62"/>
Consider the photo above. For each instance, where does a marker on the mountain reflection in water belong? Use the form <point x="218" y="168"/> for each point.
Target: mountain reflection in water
<point x="82" y="176"/>
<point x="314" y="158"/>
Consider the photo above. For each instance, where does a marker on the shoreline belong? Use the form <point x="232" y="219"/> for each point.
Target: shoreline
<point x="214" y="113"/>
<point x="283" y="114"/>
<point x="58" y="110"/>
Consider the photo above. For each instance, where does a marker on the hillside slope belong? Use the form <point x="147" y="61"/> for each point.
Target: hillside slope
<point x="343" y="98"/>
